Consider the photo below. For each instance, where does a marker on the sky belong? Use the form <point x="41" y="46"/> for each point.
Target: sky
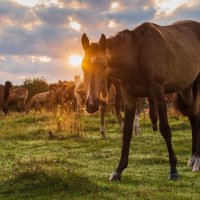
<point x="41" y="38"/>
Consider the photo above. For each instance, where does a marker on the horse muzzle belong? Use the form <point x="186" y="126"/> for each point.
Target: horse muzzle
<point x="92" y="106"/>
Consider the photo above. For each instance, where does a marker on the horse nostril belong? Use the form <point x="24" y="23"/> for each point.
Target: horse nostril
<point x="92" y="105"/>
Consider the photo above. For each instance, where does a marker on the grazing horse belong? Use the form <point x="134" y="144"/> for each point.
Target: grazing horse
<point x="38" y="101"/>
<point x="5" y="92"/>
<point x="79" y="92"/>
<point x="70" y="99"/>
<point x="150" y="61"/>
<point x="62" y="94"/>
<point x="18" y="96"/>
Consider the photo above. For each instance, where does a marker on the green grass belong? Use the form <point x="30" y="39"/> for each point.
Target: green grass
<point x="76" y="163"/>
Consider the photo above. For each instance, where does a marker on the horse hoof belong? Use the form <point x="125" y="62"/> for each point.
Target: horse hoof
<point x="196" y="167"/>
<point x="115" y="176"/>
<point x="191" y="161"/>
<point x="173" y="177"/>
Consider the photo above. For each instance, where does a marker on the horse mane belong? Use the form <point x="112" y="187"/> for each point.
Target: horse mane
<point x="141" y="33"/>
<point x="114" y="41"/>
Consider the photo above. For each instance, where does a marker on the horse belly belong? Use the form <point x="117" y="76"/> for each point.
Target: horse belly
<point x="181" y="81"/>
<point x="135" y="89"/>
<point x="175" y="86"/>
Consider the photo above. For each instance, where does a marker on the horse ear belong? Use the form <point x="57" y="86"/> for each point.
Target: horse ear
<point x="85" y="42"/>
<point x="103" y="42"/>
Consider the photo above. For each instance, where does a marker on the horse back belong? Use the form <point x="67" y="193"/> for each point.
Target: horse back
<point x="165" y="55"/>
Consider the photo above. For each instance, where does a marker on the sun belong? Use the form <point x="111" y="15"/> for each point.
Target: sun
<point x="75" y="60"/>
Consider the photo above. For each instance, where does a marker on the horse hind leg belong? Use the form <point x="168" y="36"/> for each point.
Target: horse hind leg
<point x="196" y="167"/>
<point x="153" y="114"/>
<point x="186" y="103"/>
<point x="166" y="133"/>
<point x="159" y="96"/>
<point x="118" y="114"/>
<point x="191" y="161"/>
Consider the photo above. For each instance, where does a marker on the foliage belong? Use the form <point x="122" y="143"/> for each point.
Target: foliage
<point x="35" y="85"/>
<point x="77" y="166"/>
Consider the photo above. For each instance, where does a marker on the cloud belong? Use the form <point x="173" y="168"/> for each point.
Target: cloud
<point x="51" y="31"/>
<point x="188" y="11"/>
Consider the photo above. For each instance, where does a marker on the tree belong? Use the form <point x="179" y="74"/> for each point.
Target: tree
<point x="35" y="86"/>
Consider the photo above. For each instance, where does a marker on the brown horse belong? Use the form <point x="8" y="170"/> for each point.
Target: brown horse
<point x="18" y="96"/>
<point x="38" y="101"/>
<point x="150" y="60"/>
<point x="63" y="95"/>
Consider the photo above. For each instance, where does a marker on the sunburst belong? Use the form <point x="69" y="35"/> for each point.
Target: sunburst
<point x="75" y="60"/>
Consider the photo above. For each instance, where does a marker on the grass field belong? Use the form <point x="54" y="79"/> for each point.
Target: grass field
<point x="75" y="163"/>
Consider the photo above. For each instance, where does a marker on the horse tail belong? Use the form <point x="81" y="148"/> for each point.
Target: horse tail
<point x="6" y="96"/>
<point x="182" y="107"/>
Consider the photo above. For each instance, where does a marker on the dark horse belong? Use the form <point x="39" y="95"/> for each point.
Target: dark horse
<point x="150" y="61"/>
<point x="6" y="95"/>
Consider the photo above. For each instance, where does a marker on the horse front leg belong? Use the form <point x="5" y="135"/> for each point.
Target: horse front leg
<point x="102" y="111"/>
<point x="127" y="134"/>
<point x="166" y="133"/>
<point x="118" y="114"/>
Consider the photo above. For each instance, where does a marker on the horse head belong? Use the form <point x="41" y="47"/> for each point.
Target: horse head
<point x="94" y="64"/>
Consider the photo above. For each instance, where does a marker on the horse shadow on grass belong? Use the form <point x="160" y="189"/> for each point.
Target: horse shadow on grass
<point x="74" y="185"/>
<point x="50" y="185"/>
<point x="67" y="184"/>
